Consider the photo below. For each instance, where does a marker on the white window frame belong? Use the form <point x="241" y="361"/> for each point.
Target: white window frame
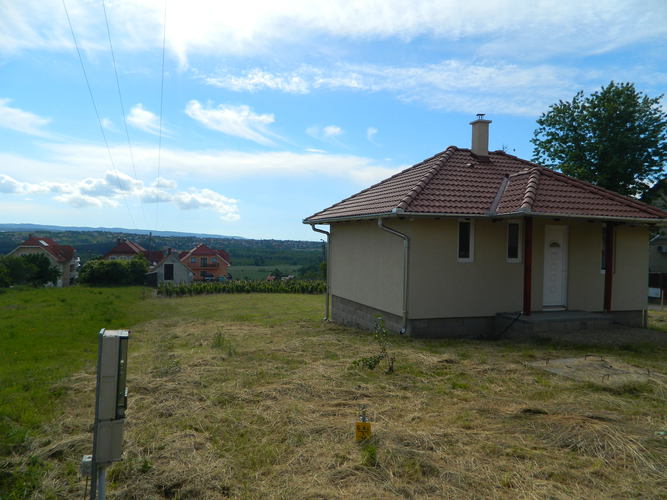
<point x="517" y="259"/>
<point x="471" y="257"/>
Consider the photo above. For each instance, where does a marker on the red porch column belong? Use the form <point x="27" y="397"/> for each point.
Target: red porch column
<point x="608" y="264"/>
<point x="527" y="264"/>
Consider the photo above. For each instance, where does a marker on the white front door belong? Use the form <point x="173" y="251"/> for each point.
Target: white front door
<point x="555" y="266"/>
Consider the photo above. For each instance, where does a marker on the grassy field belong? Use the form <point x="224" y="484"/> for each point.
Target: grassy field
<point x="259" y="272"/>
<point x="252" y="396"/>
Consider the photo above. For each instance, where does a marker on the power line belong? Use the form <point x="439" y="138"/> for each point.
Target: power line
<point x="159" y="147"/>
<point x="97" y="114"/>
<point x="120" y="98"/>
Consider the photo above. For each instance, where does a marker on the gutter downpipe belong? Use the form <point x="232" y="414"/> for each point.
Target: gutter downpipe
<point x="406" y="254"/>
<point x="328" y="292"/>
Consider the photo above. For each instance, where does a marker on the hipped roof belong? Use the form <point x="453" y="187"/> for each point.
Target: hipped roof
<point x="204" y="250"/>
<point x="62" y="253"/>
<point x="457" y="182"/>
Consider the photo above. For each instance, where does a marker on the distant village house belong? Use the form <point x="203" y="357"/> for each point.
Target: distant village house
<point x="126" y="250"/>
<point x="63" y="257"/>
<point x="206" y="264"/>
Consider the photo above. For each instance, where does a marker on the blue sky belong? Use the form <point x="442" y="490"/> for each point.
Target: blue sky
<point x="275" y="110"/>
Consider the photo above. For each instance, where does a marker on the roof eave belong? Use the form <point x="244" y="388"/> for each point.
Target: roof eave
<point x="508" y="215"/>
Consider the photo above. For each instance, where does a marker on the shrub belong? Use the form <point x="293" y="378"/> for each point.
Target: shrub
<point x="34" y="269"/>
<point x="114" y="272"/>
<point x="292" y="286"/>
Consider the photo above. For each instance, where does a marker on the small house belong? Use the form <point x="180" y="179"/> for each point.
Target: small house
<point x="126" y="249"/>
<point x="449" y="245"/>
<point x="206" y="264"/>
<point x="63" y="257"/>
<point x="171" y="270"/>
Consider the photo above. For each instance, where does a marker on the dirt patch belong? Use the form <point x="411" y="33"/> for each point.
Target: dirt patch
<point x="605" y="371"/>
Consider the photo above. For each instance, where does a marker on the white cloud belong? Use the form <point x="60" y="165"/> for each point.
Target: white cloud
<point x="453" y="85"/>
<point x="370" y="134"/>
<point x="205" y="198"/>
<point x="237" y="121"/>
<point x="144" y="120"/>
<point x="108" y="125"/>
<point x="216" y="166"/>
<point x="9" y="185"/>
<point x="115" y="186"/>
<point x="332" y="131"/>
<point x="315" y="150"/>
<point x="164" y="183"/>
<point x="518" y="27"/>
<point x="327" y="133"/>
<point x="21" y="121"/>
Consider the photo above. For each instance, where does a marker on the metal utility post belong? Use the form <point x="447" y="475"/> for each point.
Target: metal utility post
<point x="327" y="295"/>
<point x="110" y="405"/>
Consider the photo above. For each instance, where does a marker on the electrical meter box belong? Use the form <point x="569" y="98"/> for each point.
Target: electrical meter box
<point x="111" y="397"/>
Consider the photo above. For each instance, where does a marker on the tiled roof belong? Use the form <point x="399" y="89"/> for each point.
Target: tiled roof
<point x="457" y="182"/>
<point x="204" y="250"/>
<point x="62" y="253"/>
<point x="129" y="247"/>
<point x="126" y="247"/>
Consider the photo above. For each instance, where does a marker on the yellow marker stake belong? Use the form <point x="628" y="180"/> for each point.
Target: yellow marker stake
<point x="362" y="431"/>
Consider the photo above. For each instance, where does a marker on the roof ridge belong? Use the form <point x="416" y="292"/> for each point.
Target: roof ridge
<point x="493" y="210"/>
<point x="425" y="179"/>
<point x="531" y="190"/>
<point x="452" y="148"/>
<point x="607" y="193"/>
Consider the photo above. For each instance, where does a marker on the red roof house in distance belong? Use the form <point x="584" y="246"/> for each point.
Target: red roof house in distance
<point x="206" y="263"/>
<point x="450" y="246"/>
<point x="126" y="250"/>
<point x="61" y="256"/>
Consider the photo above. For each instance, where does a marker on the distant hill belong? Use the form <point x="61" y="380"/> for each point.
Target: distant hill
<point x="91" y="243"/>
<point x="21" y="227"/>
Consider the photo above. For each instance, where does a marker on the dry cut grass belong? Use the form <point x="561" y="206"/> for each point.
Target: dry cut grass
<point x="256" y="409"/>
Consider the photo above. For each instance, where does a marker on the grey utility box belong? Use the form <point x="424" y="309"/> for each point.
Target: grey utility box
<point x="111" y="397"/>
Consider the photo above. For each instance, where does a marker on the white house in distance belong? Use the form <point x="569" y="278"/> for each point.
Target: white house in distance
<point x="171" y="270"/>
<point x="444" y="247"/>
<point x="61" y="256"/>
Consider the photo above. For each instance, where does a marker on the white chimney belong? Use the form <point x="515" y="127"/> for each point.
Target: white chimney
<point x="480" y="136"/>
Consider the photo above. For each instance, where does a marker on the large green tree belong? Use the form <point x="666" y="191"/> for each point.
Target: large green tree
<point x="615" y="138"/>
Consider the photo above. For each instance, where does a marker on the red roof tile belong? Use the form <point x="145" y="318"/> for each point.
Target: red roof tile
<point x="202" y="249"/>
<point x="457" y="182"/>
<point x="62" y="253"/>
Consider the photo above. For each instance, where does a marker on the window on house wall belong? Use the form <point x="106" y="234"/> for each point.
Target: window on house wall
<point x="204" y="261"/>
<point x="513" y="242"/>
<point x="466" y="241"/>
<point x="168" y="272"/>
<point x="193" y="260"/>
<point x="214" y="260"/>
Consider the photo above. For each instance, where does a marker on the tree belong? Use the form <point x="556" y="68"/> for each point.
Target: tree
<point x="43" y="271"/>
<point x="615" y="138"/>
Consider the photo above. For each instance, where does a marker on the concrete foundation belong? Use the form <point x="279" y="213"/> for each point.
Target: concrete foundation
<point x="350" y="313"/>
<point x="442" y="328"/>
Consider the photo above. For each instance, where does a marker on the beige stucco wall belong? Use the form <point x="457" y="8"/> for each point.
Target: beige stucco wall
<point x="585" y="287"/>
<point x="367" y="265"/>
<point x="630" y="284"/>
<point x="440" y="286"/>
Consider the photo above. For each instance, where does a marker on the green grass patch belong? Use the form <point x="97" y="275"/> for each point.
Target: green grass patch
<point x="45" y="335"/>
